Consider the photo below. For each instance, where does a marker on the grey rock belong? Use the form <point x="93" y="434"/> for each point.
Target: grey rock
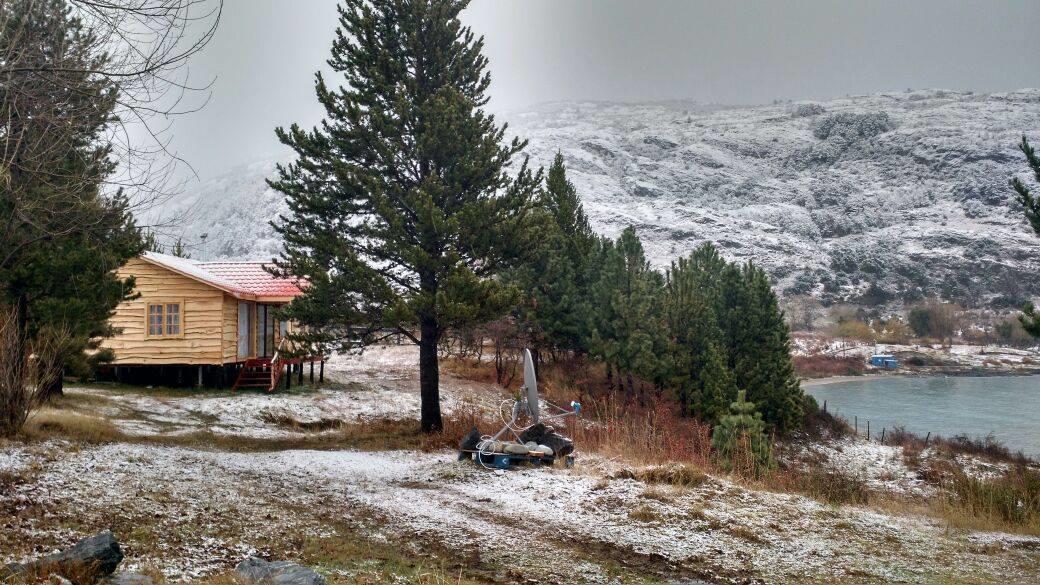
<point x="100" y="555"/>
<point x="263" y="572"/>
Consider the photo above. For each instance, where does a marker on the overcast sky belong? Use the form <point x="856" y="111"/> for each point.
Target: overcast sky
<point x="737" y="52"/>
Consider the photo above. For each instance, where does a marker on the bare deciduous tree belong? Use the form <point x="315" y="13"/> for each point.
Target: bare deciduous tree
<point x="25" y="375"/>
<point x="75" y="77"/>
<point x="119" y="67"/>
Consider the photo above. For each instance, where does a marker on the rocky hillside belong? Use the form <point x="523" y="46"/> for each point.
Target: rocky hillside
<point x="873" y="199"/>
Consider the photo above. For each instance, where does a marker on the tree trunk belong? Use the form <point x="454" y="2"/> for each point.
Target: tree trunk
<point x="630" y="391"/>
<point x="429" y="377"/>
<point x="610" y="378"/>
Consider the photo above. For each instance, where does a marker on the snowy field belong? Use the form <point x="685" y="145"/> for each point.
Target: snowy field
<point x="194" y="510"/>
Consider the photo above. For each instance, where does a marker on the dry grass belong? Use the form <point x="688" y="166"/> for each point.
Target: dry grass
<point x="821" y="484"/>
<point x="349" y="557"/>
<point x="52" y="422"/>
<point x="370" y="434"/>
<point x="644" y="513"/>
<point x="649" y="430"/>
<point x="1010" y="502"/>
<point x="684" y="476"/>
<point x="988" y="447"/>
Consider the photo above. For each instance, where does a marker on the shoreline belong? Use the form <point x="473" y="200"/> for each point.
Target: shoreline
<point x="965" y="373"/>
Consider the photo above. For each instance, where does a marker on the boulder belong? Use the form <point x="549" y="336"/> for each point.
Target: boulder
<point x="90" y="559"/>
<point x="543" y="434"/>
<point x="262" y="572"/>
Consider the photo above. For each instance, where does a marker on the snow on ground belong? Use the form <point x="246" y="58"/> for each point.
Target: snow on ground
<point x="235" y="503"/>
<point x="190" y="511"/>
<point x="882" y="467"/>
<point x="959" y="355"/>
<point x="381" y="383"/>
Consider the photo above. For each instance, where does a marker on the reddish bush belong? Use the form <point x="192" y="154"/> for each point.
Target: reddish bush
<point x="823" y="366"/>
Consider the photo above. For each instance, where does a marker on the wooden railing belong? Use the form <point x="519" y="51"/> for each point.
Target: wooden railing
<point x="276" y="369"/>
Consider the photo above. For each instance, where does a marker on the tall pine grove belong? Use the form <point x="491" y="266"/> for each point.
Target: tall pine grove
<point x="626" y="329"/>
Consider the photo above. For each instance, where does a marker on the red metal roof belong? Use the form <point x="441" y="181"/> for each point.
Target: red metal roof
<point x="252" y="277"/>
<point x="244" y="280"/>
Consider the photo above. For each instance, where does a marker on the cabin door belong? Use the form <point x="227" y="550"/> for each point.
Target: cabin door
<point x="245" y="330"/>
<point x="266" y="323"/>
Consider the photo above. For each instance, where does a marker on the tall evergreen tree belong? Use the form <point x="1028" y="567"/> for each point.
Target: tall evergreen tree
<point x="758" y="343"/>
<point x="1031" y="204"/>
<point x="626" y="324"/>
<point x="697" y="368"/>
<point x="554" y="278"/>
<point x="401" y="204"/>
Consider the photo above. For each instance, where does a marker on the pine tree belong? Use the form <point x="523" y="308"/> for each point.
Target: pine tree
<point x="1031" y="204"/>
<point x="626" y="330"/>
<point x="726" y="332"/>
<point x="740" y="439"/>
<point x="554" y="278"/>
<point x="758" y="346"/>
<point x="697" y="366"/>
<point x="401" y="206"/>
<point x="71" y="289"/>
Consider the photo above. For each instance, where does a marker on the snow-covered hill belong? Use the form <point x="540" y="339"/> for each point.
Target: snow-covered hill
<point x="903" y="191"/>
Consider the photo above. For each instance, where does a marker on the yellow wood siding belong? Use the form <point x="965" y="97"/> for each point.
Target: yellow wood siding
<point x="229" y="341"/>
<point x="205" y="318"/>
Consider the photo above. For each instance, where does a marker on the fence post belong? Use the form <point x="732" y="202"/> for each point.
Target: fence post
<point x="824" y="406"/>
<point x="882" y="435"/>
<point x="856" y="422"/>
<point x="926" y="437"/>
<point x="868" y="430"/>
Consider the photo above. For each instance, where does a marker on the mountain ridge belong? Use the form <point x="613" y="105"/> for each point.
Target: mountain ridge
<point x="869" y="199"/>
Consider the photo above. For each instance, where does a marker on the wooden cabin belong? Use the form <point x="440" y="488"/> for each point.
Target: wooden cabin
<point x="206" y="323"/>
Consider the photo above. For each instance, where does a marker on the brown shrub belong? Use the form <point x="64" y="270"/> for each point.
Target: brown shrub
<point x="824" y="366"/>
<point x="676" y="475"/>
<point x="821" y="484"/>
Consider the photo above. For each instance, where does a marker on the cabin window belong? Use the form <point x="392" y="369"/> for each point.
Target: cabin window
<point x="164" y="319"/>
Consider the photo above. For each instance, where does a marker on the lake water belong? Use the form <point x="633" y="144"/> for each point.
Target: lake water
<point x="1008" y="407"/>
